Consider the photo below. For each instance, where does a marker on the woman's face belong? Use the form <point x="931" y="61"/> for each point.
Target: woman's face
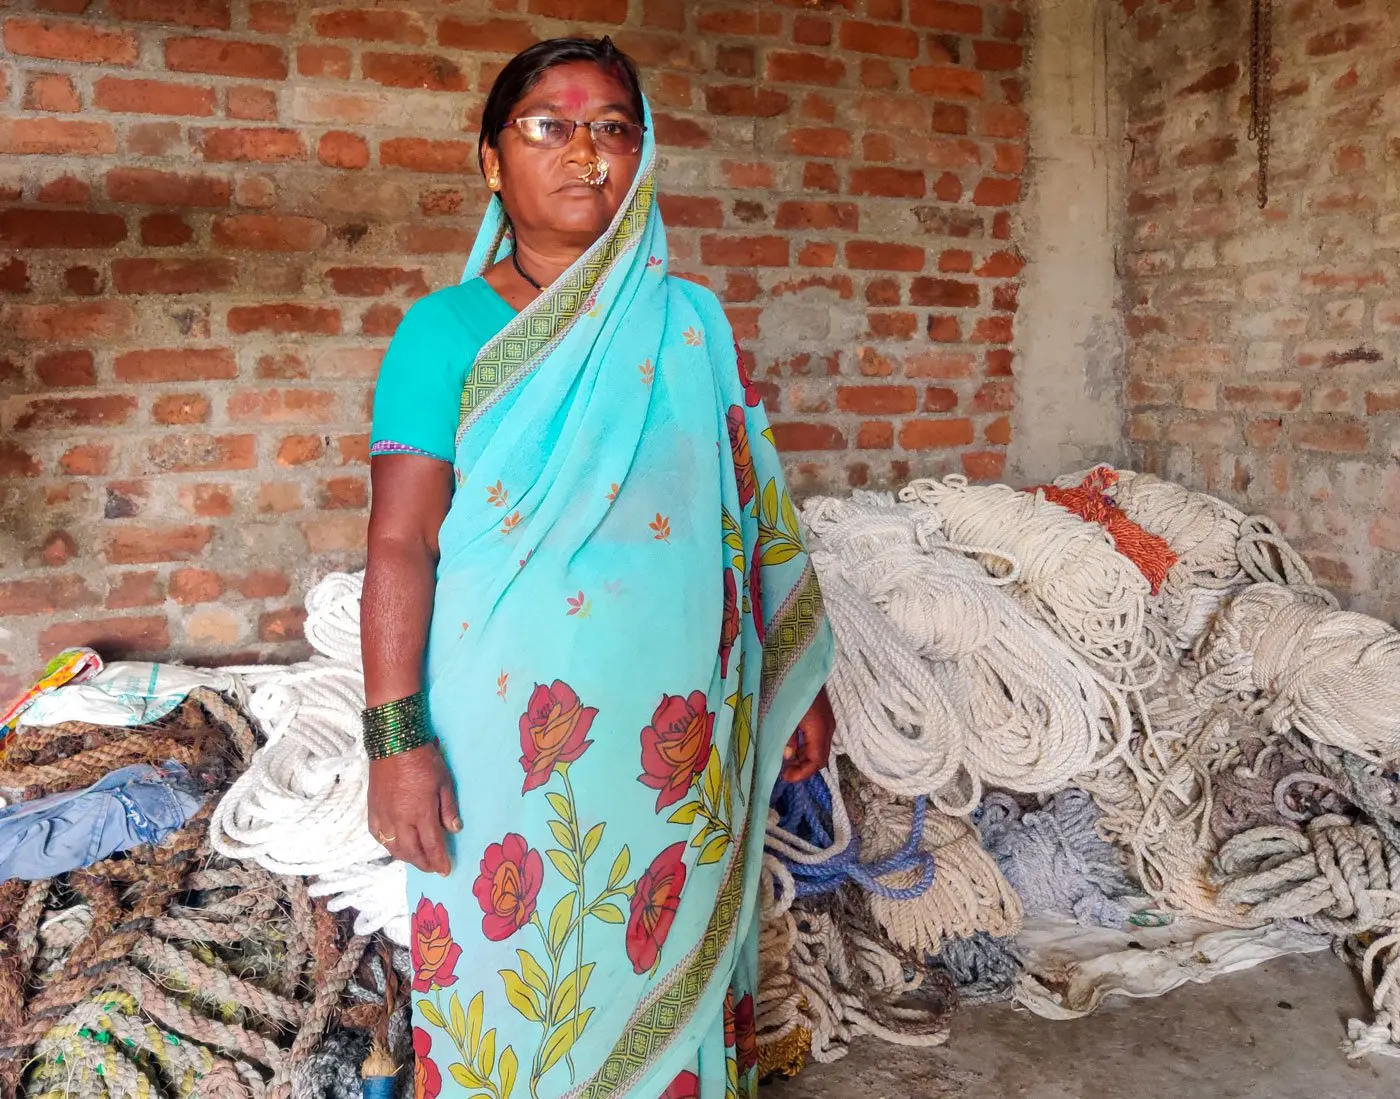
<point x="540" y="187"/>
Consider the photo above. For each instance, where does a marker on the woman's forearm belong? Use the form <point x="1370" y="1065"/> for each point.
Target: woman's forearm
<point x="395" y="610"/>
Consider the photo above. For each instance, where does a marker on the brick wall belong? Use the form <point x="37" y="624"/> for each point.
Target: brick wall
<point x="215" y="212"/>
<point x="1264" y="344"/>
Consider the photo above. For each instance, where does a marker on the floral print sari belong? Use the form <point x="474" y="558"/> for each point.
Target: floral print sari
<point x="626" y="631"/>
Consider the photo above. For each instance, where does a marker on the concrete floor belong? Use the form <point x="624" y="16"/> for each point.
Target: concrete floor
<point x="1268" y="1033"/>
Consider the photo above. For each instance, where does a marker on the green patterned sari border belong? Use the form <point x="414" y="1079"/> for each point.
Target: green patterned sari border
<point x="666" y="1012"/>
<point x="791" y="633"/>
<point x="534" y="332"/>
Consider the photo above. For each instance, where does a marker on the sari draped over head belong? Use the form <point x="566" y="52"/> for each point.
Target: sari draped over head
<point x="626" y="631"/>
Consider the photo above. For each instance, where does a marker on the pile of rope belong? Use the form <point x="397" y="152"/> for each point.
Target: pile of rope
<point x="1137" y="692"/>
<point x="169" y="969"/>
<point x="300" y="808"/>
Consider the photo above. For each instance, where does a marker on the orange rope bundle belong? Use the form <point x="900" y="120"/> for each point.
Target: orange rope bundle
<point x="1089" y="500"/>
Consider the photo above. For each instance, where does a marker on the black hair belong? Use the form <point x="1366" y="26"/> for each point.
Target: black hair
<point x="523" y="72"/>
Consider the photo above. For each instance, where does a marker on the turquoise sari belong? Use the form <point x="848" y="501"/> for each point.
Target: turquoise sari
<point x="625" y="633"/>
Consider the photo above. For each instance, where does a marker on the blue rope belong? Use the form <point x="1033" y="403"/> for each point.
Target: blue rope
<point x="804" y="809"/>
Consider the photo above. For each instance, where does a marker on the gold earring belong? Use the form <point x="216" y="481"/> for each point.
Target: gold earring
<point x="493" y="181"/>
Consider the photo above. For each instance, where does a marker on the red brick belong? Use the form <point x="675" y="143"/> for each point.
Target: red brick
<point x="943" y="16"/>
<point x="61" y="413"/>
<point x="819" y="142"/>
<point x="744" y="251"/>
<point x="875" y="435"/>
<point x="60" y="229"/>
<point x="804" y="68"/>
<point x="983" y="465"/>
<point x="998" y="432"/>
<point x="1340" y="40"/>
<point x="821" y="177"/>
<point x="946" y="293"/>
<point x="191" y="586"/>
<point x="70" y="322"/>
<point x="195" y="275"/>
<point x="51" y="92"/>
<point x="938" y="398"/>
<point x="942" y="329"/>
<point x="945" y="81"/>
<point x="343" y="493"/>
<point x="132" y="96"/>
<point x="14" y="279"/>
<point x="997" y="192"/>
<point x="803" y="436"/>
<point x="992" y="330"/>
<point x="64" y="592"/>
<point x="876" y="38"/>
<point x="155" y="139"/>
<point x="225" y="57"/>
<point x="115" y="638"/>
<point x="875" y="255"/>
<point x="201" y="453"/>
<point x="252" y="104"/>
<point x="935" y="434"/>
<point x="213" y="14"/>
<point x="1264" y="398"/>
<point x="59" y="136"/>
<point x="61" y="369"/>
<point x="60" y="40"/>
<point x="150" y="187"/>
<point x="297" y="450"/>
<point x="955" y="261"/>
<point x="891" y="325"/>
<point x="841" y="216"/>
<point x="875" y="72"/>
<point x="736" y="60"/>
<point x="284" y="318"/>
<point x="284" y="625"/>
<point x="270" y="17"/>
<point x="1334" y="436"/>
<point x="745" y="101"/>
<point x="692" y="212"/>
<point x="1000" y="120"/>
<point x="335" y="534"/>
<point x="180" y="408"/>
<point x="87" y="460"/>
<point x="877" y="400"/>
<point x="581" y="11"/>
<point x="269" y="232"/>
<point x="15" y="462"/>
<point x="997" y="396"/>
<point x="406" y="70"/>
<point x="138" y="588"/>
<point x="888" y="182"/>
<point x="65" y="190"/>
<point x="998" y="56"/>
<point x="331" y="61"/>
<point x="419" y="154"/>
<point x="259" y="145"/>
<point x="817" y="253"/>
<point x="371" y="282"/>
<point x="1010" y="159"/>
<point x="432" y="239"/>
<point x="371" y="26"/>
<point x="281" y="406"/>
<point x="744" y="22"/>
<point x="176" y="365"/>
<point x="508" y="36"/>
<point x="339" y="149"/>
<point x="148" y="545"/>
<point x="1215" y="80"/>
<point x="686" y="133"/>
<point x="83" y="282"/>
<point x="1215" y="150"/>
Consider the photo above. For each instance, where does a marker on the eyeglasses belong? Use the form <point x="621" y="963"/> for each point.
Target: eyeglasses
<point x="609" y="135"/>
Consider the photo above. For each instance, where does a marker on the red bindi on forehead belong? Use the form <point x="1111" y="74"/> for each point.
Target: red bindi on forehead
<point x="573" y="98"/>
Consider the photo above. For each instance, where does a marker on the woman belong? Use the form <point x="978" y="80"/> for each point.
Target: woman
<point x="587" y="583"/>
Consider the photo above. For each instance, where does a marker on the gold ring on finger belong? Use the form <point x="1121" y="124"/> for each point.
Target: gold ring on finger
<point x="385" y="839"/>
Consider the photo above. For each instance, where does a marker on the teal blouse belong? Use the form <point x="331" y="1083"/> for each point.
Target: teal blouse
<point x="418" y="396"/>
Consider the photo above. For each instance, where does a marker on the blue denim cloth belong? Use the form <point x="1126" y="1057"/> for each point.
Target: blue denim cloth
<point x="131" y="806"/>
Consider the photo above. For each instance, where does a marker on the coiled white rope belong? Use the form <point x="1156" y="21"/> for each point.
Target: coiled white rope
<point x="300" y="808"/>
<point x="930" y="648"/>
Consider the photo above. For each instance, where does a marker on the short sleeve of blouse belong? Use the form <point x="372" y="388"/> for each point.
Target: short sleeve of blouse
<point x="418" y="395"/>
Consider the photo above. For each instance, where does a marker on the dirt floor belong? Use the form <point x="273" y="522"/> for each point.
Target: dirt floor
<point x="1269" y="1033"/>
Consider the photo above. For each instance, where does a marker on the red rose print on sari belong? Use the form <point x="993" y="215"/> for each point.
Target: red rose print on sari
<point x="745" y="1035"/>
<point x="684" y="1086"/>
<point x="654" y="904"/>
<point x="553" y="730"/>
<point x="743" y="456"/>
<point x="427" y="1080"/>
<point x="434" y="952"/>
<point x="676" y="746"/>
<point x="731" y="622"/>
<point x="756" y="594"/>
<point x="508" y="886"/>
<point x="751" y="396"/>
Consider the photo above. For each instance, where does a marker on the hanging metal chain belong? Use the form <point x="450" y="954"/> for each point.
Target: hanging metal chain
<point x="1261" y="89"/>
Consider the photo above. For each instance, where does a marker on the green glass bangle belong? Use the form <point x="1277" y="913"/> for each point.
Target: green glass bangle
<point x="397" y="726"/>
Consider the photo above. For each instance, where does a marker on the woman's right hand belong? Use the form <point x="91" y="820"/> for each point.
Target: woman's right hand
<point x="412" y="806"/>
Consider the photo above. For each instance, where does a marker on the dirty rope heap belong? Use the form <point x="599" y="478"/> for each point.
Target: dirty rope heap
<point x="1161" y="663"/>
<point x="170" y="970"/>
